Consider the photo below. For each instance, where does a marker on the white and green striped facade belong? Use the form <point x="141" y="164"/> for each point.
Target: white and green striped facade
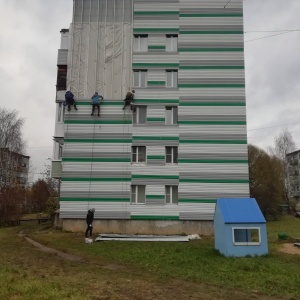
<point x="110" y="44"/>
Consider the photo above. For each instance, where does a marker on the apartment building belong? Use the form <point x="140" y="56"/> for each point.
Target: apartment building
<point x="14" y="168"/>
<point x="161" y="169"/>
<point x="293" y="159"/>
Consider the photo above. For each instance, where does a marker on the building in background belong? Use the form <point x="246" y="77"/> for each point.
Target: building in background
<point x="14" y="168"/>
<point x="293" y="159"/>
<point x="162" y="169"/>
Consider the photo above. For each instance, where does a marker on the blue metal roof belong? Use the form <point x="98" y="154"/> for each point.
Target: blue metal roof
<point x="240" y="210"/>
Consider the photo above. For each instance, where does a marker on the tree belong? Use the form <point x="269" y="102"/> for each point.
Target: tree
<point x="39" y="195"/>
<point x="11" y="205"/>
<point x="53" y="186"/>
<point x="284" y="144"/>
<point x="43" y="194"/>
<point x="11" y="145"/>
<point x="266" y="180"/>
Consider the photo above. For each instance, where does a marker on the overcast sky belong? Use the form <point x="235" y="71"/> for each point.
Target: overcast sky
<point x="30" y="38"/>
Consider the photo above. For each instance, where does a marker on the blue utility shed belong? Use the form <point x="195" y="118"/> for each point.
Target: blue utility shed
<point x="240" y="227"/>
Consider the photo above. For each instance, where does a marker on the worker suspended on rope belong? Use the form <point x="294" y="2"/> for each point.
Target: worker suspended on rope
<point x="129" y="100"/>
<point x="69" y="100"/>
<point x="96" y="100"/>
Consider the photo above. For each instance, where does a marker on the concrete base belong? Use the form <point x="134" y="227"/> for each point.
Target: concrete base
<point x="57" y="221"/>
<point x="141" y="227"/>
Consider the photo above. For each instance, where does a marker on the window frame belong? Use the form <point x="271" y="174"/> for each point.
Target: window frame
<point x="138" y="151"/>
<point x="142" y="82"/>
<point x="134" y="194"/>
<point x="171" y="42"/>
<point x="138" y="42"/>
<point x="174" y="112"/>
<point x="174" y="155"/>
<point x="171" y="194"/>
<point x="136" y="117"/>
<point x="173" y="82"/>
<point x="246" y="243"/>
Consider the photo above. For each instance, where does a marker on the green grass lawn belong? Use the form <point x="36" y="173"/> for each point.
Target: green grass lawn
<point x="193" y="264"/>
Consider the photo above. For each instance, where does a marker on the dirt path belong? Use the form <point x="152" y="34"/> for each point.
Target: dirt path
<point x="68" y="256"/>
<point x="289" y="248"/>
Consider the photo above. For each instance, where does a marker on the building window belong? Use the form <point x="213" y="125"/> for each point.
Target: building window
<point x="60" y="151"/>
<point x="141" y="115"/>
<point x="171" y="195"/>
<point x="171" y="155"/>
<point x="60" y="112"/>
<point x="171" y="115"/>
<point x="172" y="42"/>
<point x="138" y="194"/>
<point x="61" y="81"/>
<point x="140" y="42"/>
<point x="139" y="78"/>
<point x="246" y="236"/>
<point x="171" y="78"/>
<point x="138" y="154"/>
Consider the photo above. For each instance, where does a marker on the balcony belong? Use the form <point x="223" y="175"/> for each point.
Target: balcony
<point x="59" y="130"/>
<point x="60" y="95"/>
<point x="62" y="57"/>
<point x="56" y="169"/>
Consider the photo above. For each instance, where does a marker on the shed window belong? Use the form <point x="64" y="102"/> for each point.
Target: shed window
<point x="246" y="236"/>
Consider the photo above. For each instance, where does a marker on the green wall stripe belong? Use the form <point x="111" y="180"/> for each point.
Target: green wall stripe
<point x="183" y="15"/>
<point x="211" y="67"/>
<point x="225" y="142"/>
<point x="212" y="122"/>
<point x="161" y="197"/>
<point x="213" y="85"/>
<point x="210" y="49"/>
<point x="68" y="159"/>
<point x="211" y="31"/>
<point x="175" y="101"/>
<point x="155" y="138"/>
<point x="240" y="181"/>
<point x="156" y="119"/>
<point x="156" y="13"/>
<point x="156" y="83"/>
<point x="197" y="200"/>
<point x="167" y="65"/>
<point x="142" y="176"/>
<point x="95" y="179"/>
<point x="155" y="157"/>
<point x="163" y="30"/>
<point x="163" y="218"/>
<point x="95" y="199"/>
<point x="212" y="161"/>
<point x="156" y="47"/>
<point x="184" y="103"/>
<point x="98" y="141"/>
<point x="96" y="121"/>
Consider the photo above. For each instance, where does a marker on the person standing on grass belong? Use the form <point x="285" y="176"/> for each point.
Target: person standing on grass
<point x="89" y="222"/>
